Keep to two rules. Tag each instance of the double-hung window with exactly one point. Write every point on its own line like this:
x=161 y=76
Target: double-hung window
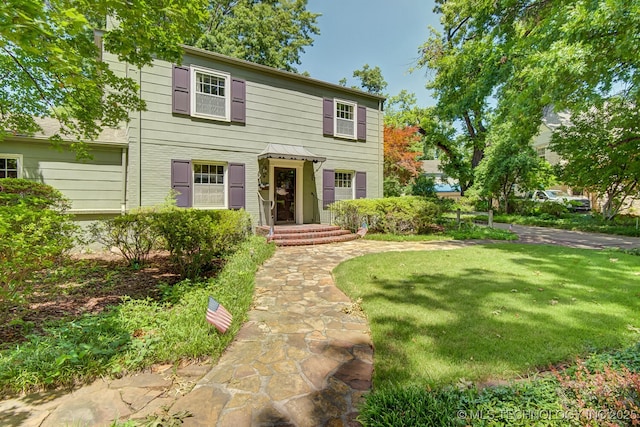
x=345 y=119
x=209 y=185
x=211 y=94
x=343 y=185
x=10 y=166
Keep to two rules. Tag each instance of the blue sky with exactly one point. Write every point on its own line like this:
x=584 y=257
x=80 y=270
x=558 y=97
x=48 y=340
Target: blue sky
x=385 y=33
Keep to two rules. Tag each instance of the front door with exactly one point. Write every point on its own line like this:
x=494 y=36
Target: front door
x=285 y=195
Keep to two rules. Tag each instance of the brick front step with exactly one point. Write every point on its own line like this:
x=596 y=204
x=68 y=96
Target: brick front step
x=316 y=240
x=307 y=234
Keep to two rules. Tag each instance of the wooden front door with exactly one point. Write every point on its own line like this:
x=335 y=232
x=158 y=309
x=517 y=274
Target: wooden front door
x=285 y=195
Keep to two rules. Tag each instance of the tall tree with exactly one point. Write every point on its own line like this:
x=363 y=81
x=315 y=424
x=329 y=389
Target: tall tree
x=50 y=63
x=267 y=32
x=528 y=54
x=509 y=165
x=371 y=80
x=601 y=149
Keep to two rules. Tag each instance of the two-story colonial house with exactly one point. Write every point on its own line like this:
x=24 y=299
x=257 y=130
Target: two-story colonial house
x=222 y=133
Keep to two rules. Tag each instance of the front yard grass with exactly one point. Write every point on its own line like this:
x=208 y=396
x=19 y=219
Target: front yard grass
x=494 y=312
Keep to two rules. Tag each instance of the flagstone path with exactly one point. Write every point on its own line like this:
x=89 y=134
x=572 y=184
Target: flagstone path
x=304 y=358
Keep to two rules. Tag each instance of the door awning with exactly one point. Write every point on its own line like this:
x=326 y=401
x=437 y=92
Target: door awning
x=289 y=152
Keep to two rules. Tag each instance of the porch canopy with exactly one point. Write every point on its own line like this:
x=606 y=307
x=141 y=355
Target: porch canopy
x=289 y=152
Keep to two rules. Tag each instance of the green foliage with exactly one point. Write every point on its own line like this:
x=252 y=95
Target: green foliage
x=32 y=236
x=133 y=234
x=469 y=231
x=272 y=33
x=411 y=406
x=621 y=225
x=70 y=83
x=392 y=187
x=195 y=238
x=509 y=164
x=396 y=215
x=424 y=186
x=600 y=147
x=371 y=79
x=137 y=333
x=36 y=195
x=578 y=395
x=550 y=209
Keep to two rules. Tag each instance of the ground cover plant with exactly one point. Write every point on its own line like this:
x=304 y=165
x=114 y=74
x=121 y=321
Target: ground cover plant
x=95 y=317
x=444 y=322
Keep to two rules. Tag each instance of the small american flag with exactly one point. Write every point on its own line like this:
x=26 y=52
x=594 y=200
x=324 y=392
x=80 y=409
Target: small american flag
x=218 y=316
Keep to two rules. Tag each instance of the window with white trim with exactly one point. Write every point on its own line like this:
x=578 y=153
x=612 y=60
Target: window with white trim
x=10 y=166
x=345 y=119
x=210 y=94
x=541 y=152
x=209 y=190
x=344 y=185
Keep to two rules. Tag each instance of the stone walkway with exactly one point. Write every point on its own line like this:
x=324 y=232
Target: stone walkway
x=304 y=358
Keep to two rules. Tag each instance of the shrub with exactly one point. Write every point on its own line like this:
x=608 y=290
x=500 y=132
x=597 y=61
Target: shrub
x=32 y=236
x=391 y=187
x=396 y=215
x=606 y=394
x=552 y=209
x=34 y=194
x=424 y=186
x=133 y=234
x=523 y=207
x=195 y=238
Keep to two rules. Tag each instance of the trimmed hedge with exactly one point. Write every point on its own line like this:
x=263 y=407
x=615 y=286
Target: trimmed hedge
x=194 y=238
x=396 y=215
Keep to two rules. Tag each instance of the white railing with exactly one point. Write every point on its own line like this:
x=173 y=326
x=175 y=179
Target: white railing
x=266 y=211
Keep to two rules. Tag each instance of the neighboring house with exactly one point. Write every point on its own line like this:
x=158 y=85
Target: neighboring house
x=224 y=134
x=445 y=186
x=550 y=122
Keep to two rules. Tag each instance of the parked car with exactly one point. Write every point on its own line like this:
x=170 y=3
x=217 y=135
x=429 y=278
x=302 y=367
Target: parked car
x=574 y=203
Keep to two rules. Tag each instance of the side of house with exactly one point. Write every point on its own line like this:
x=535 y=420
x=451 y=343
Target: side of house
x=96 y=186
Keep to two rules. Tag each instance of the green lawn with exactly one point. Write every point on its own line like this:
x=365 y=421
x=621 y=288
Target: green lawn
x=491 y=312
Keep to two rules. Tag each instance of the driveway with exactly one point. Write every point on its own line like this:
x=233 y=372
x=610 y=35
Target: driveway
x=574 y=239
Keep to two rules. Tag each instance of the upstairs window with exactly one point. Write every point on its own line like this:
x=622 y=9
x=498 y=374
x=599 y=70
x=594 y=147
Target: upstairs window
x=211 y=94
x=345 y=119
x=10 y=166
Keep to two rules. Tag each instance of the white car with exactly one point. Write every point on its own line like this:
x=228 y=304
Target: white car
x=576 y=203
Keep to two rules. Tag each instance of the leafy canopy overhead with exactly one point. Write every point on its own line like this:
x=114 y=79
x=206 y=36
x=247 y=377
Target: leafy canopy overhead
x=268 y=32
x=503 y=61
x=51 y=68
x=50 y=64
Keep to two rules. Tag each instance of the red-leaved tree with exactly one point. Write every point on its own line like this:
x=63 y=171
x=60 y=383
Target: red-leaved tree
x=401 y=152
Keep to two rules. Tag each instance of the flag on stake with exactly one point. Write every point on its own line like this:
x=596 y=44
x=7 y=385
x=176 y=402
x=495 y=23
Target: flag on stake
x=218 y=316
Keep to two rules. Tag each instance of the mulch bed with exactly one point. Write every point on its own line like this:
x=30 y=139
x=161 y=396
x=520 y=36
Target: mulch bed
x=85 y=284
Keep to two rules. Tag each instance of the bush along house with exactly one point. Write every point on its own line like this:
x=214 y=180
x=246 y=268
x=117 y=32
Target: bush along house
x=223 y=133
